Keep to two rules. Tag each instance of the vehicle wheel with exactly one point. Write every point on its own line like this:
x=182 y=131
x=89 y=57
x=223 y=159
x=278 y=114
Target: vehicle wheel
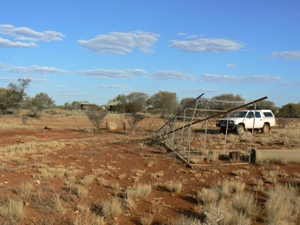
x=240 y=129
x=266 y=128
x=223 y=130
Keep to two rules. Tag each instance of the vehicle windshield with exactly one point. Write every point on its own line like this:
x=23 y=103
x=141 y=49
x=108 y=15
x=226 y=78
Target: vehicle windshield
x=238 y=114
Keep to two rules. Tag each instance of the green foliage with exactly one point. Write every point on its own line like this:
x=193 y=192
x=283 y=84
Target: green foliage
x=18 y=91
x=290 y=110
x=165 y=102
x=265 y=104
x=226 y=101
x=40 y=102
x=186 y=101
x=8 y=99
x=133 y=103
x=72 y=106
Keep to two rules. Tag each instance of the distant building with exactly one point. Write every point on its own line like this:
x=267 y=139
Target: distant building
x=111 y=106
x=86 y=105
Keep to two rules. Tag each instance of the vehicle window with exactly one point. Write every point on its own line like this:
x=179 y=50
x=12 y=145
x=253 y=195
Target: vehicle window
x=268 y=114
x=257 y=115
x=238 y=114
x=250 y=115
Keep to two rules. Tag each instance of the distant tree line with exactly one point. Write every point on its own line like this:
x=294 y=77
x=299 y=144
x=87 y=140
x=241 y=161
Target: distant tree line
x=167 y=103
x=14 y=97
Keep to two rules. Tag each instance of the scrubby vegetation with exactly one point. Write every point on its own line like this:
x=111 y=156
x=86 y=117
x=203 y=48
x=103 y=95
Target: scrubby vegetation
x=56 y=170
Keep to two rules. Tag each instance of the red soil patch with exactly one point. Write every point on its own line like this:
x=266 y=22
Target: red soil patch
x=122 y=158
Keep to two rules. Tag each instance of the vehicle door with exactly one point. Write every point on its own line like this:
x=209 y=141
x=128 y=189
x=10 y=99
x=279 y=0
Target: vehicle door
x=258 y=122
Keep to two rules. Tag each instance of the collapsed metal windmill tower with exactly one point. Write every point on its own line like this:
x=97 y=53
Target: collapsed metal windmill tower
x=193 y=136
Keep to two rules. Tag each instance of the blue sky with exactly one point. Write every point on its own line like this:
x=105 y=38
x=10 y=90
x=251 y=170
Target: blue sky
x=94 y=50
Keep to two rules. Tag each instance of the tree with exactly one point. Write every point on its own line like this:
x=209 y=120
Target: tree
x=290 y=110
x=226 y=101
x=136 y=102
x=96 y=115
x=40 y=102
x=3 y=99
x=266 y=104
x=76 y=105
x=18 y=91
x=186 y=101
x=164 y=102
x=133 y=103
x=134 y=119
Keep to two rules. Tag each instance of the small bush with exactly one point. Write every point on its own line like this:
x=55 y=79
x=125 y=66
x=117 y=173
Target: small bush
x=12 y=210
x=171 y=186
x=111 y=208
x=138 y=191
x=23 y=189
x=184 y=220
x=282 y=206
x=241 y=172
x=259 y=185
x=96 y=115
x=282 y=122
x=146 y=219
x=129 y=203
x=208 y=197
x=88 y=179
x=227 y=188
x=88 y=219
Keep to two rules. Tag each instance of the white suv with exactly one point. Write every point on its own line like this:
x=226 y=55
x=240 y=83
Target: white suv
x=242 y=120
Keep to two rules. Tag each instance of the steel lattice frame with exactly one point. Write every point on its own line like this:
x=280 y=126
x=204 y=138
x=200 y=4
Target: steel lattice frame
x=192 y=133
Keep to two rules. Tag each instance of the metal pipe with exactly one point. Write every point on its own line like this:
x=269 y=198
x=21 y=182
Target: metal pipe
x=284 y=155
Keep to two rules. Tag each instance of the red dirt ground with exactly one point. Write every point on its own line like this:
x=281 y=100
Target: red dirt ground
x=117 y=153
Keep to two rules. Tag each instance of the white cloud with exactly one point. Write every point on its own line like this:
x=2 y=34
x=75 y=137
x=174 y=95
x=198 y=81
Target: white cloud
x=60 y=86
x=192 y=36
x=199 y=90
x=27 y=34
x=13 y=79
x=286 y=55
x=113 y=73
x=120 y=43
x=231 y=65
x=5 y=43
x=290 y=83
x=172 y=75
x=207 y=45
x=112 y=86
x=37 y=79
x=7 y=79
x=236 y=79
x=35 y=70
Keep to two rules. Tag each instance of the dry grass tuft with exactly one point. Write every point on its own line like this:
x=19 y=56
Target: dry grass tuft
x=12 y=210
x=241 y=172
x=23 y=189
x=88 y=219
x=146 y=219
x=88 y=179
x=138 y=191
x=110 y=208
x=282 y=206
x=208 y=197
x=171 y=186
